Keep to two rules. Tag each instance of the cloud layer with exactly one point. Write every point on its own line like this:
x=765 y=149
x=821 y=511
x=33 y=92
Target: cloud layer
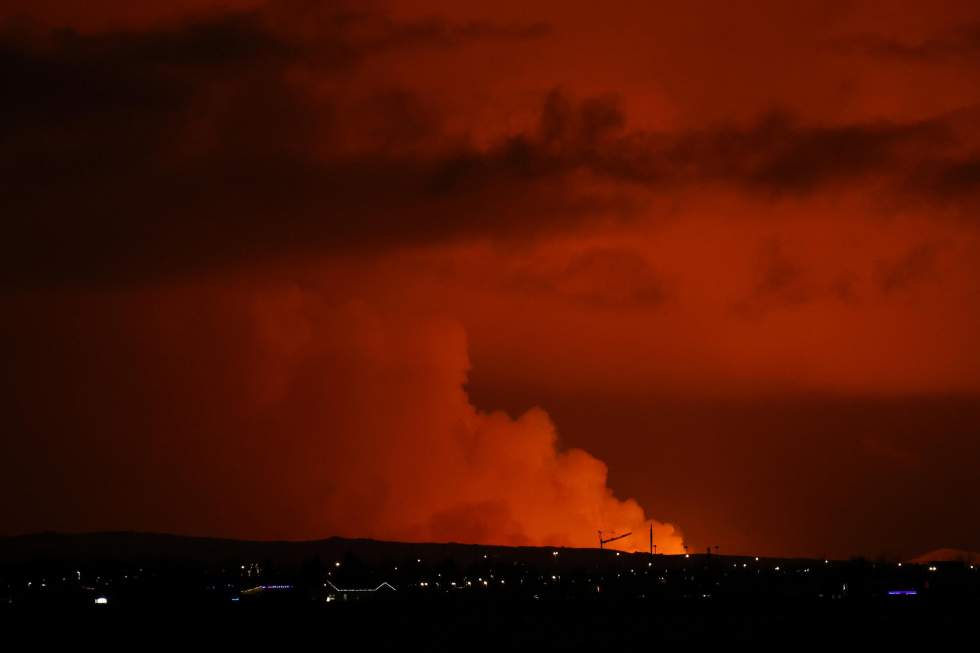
x=253 y=136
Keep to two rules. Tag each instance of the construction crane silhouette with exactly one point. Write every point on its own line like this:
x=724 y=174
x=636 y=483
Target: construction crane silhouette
x=604 y=542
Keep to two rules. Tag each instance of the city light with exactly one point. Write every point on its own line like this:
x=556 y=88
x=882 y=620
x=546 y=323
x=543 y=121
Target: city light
x=690 y=576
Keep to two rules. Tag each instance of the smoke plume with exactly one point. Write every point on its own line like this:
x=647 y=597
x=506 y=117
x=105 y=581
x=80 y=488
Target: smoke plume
x=284 y=414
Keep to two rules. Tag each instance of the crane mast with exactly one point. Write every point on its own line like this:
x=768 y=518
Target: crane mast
x=605 y=541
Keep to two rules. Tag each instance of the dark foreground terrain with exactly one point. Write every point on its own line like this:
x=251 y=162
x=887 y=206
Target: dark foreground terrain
x=505 y=626
x=129 y=589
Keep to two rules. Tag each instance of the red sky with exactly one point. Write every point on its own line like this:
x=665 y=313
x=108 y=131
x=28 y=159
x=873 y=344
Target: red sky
x=505 y=272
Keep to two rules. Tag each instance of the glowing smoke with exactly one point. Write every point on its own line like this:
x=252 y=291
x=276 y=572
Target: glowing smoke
x=274 y=412
x=411 y=458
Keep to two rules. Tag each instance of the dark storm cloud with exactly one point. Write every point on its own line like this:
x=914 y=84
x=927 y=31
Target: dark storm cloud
x=946 y=181
x=962 y=44
x=599 y=277
x=164 y=151
x=918 y=265
x=779 y=281
x=776 y=155
x=148 y=152
x=381 y=33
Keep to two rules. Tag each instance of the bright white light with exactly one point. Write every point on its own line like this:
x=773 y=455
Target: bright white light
x=336 y=564
x=101 y=600
x=777 y=568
